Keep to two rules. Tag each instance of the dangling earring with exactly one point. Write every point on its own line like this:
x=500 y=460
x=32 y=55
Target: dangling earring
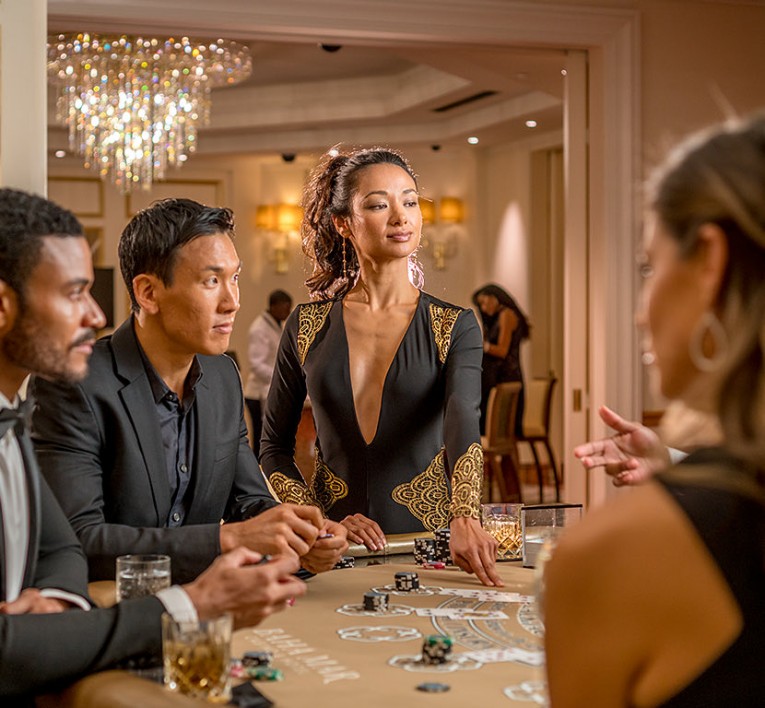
x=345 y=263
x=711 y=324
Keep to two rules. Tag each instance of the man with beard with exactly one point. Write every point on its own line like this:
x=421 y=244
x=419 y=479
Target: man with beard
x=49 y=632
x=149 y=452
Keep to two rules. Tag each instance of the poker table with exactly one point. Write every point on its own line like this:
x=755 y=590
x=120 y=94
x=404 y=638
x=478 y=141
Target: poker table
x=331 y=653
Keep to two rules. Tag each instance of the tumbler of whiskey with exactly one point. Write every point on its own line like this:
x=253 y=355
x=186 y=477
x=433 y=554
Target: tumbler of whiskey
x=196 y=657
x=503 y=522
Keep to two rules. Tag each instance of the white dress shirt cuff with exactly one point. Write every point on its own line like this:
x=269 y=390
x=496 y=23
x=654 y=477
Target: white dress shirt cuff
x=178 y=604
x=77 y=600
x=676 y=456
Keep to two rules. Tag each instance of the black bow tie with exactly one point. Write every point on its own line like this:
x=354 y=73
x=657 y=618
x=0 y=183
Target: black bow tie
x=19 y=418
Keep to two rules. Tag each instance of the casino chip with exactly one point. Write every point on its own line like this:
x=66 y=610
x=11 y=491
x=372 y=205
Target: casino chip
x=433 y=687
x=424 y=550
x=257 y=658
x=375 y=601
x=436 y=649
x=406 y=581
x=264 y=673
x=345 y=562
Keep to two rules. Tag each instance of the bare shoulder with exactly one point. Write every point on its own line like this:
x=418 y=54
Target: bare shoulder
x=636 y=576
x=508 y=317
x=627 y=522
x=630 y=551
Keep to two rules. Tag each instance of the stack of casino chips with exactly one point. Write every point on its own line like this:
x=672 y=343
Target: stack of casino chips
x=433 y=550
x=441 y=537
x=375 y=601
x=406 y=581
x=257 y=658
x=436 y=649
x=345 y=562
x=424 y=551
x=257 y=666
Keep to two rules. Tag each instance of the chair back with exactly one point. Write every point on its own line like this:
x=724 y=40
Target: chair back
x=500 y=417
x=537 y=407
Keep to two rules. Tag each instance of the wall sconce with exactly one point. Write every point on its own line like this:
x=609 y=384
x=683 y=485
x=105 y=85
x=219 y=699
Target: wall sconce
x=279 y=222
x=442 y=226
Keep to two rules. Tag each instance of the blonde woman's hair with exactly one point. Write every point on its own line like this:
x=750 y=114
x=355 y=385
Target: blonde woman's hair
x=718 y=177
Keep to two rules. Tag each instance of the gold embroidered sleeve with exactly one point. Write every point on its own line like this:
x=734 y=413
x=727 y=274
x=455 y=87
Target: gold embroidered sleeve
x=442 y=320
x=310 y=321
x=291 y=491
x=467 y=479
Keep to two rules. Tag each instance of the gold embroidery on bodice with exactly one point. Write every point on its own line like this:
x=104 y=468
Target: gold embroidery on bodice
x=290 y=490
x=427 y=495
x=442 y=321
x=467 y=480
x=327 y=487
x=310 y=321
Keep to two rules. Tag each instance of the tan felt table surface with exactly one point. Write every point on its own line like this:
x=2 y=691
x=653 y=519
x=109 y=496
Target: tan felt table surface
x=322 y=668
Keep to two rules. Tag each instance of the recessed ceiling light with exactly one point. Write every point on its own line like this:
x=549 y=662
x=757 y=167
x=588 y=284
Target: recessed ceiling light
x=531 y=124
x=183 y=158
x=473 y=140
x=563 y=72
x=60 y=153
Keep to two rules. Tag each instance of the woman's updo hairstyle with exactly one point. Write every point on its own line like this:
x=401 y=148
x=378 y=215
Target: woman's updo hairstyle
x=329 y=192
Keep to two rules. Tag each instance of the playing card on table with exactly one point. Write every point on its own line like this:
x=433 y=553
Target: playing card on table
x=460 y=613
x=521 y=656
x=487 y=595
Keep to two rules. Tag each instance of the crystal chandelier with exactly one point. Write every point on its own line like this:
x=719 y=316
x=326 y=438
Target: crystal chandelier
x=132 y=104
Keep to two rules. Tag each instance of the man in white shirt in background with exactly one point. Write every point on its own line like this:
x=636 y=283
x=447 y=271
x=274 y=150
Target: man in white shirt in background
x=264 y=336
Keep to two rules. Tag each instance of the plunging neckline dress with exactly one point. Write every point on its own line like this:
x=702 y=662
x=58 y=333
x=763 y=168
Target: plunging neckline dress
x=424 y=464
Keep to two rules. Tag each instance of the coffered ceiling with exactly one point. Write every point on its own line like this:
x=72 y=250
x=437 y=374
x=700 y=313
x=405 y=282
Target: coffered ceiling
x=302 y=97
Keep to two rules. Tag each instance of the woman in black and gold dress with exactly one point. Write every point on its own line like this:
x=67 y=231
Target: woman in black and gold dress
x=393 y=373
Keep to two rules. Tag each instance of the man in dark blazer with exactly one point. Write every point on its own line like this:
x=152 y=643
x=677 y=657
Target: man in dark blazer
x=49 y=632
x=149 y=453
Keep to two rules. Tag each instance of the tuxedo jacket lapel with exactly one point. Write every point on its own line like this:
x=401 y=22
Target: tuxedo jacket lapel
x=137 y=398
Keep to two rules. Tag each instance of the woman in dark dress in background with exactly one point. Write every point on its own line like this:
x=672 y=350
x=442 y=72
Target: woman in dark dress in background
x=504 y=328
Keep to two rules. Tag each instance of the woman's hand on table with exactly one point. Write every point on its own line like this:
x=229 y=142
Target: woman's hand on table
x=363 y=530
x=474 y=550
x=329 y=548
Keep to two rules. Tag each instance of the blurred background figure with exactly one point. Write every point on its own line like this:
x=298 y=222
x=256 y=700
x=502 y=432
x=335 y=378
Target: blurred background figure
x=652 y=563
x=505 y=326
x=265 y=332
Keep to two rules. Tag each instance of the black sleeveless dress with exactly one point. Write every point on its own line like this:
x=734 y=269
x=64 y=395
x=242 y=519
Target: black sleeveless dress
x=732 y=526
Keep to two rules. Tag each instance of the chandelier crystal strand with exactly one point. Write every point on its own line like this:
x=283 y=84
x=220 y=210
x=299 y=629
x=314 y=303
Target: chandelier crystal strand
x=133 y=104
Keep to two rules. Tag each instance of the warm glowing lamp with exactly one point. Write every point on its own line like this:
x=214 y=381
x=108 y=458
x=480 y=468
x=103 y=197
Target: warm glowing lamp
x=265 y=217
x=428 y=209
x=288 y=217
x=451 y=210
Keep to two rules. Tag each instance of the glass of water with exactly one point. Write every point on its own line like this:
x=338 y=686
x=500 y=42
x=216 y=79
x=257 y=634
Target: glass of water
x=141 y=575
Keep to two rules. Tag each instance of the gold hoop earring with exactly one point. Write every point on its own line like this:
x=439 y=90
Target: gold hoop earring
x=345 y=263
x=711 y=324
